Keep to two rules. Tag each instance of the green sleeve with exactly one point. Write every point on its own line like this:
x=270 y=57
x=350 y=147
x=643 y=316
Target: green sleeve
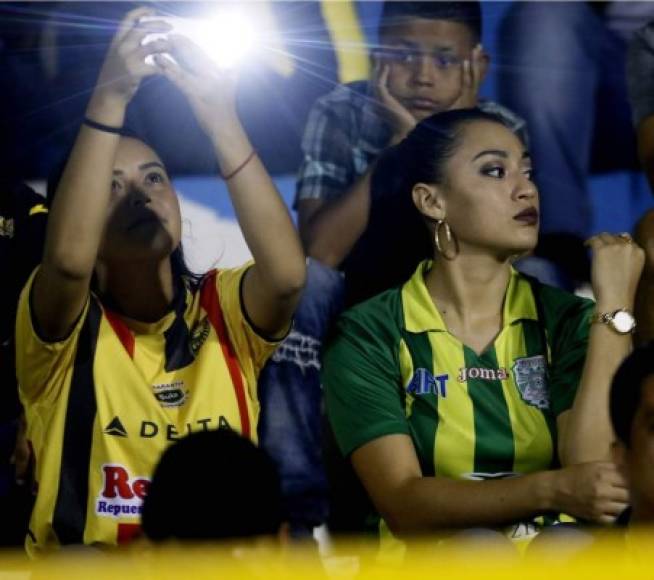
x=362 y=383
x=569 y=346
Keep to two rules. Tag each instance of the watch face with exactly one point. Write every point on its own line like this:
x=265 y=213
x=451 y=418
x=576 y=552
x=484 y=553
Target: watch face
x=623 y=321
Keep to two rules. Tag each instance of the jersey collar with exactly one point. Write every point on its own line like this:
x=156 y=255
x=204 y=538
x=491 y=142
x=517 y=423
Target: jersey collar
x=421 y=315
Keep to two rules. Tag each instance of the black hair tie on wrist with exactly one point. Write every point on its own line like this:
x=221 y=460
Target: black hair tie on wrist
x=100 y=127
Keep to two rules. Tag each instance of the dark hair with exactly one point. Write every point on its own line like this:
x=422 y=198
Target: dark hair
x=213 y=485
x=177 y=261
x=396 y=238
x=468 y=13
x=626 y=390
x=57 y=172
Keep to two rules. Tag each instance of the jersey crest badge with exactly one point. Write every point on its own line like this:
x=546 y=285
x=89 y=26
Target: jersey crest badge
x=530 y=377
x=199 y=335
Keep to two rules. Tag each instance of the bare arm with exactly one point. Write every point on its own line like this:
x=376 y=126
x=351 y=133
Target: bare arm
x=79 y=211
x=585 y=431
x=273 y=286
x=410 y=503
x=330 y=229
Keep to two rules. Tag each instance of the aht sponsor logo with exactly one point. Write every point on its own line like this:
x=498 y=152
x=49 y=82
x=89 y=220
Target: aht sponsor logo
x=425 y=383
x=121 y=495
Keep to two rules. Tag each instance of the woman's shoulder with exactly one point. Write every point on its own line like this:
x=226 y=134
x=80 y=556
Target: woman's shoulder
x=367 y=336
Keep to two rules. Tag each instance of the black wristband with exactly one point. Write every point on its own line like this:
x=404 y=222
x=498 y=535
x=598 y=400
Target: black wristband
x=100 y=127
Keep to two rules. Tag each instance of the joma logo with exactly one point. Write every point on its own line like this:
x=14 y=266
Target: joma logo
x=483 y=374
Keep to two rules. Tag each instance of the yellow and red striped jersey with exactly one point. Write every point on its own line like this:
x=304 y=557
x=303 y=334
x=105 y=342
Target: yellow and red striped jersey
x=103 y=404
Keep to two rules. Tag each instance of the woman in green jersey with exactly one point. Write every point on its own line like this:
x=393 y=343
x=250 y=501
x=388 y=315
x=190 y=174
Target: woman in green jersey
x=471 y=395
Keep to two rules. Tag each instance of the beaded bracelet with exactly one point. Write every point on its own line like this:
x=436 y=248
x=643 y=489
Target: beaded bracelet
x=241 y=166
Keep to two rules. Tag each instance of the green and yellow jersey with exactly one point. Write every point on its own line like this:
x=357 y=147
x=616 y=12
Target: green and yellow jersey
x=103 y=404
x=393 y=368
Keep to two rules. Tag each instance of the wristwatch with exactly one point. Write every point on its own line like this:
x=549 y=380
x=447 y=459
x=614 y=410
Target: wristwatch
x=621 y=321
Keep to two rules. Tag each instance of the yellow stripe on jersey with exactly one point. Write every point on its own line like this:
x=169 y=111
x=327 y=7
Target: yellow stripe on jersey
x=454 y=448
x=406 y=374
x=531 y=435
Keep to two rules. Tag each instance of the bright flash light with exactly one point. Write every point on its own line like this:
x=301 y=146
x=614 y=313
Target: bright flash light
x=226 y=37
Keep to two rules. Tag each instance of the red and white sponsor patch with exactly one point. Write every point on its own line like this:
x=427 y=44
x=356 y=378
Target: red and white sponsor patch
x=121 y=495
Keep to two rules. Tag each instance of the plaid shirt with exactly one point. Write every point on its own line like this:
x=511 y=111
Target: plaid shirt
x=346 y=131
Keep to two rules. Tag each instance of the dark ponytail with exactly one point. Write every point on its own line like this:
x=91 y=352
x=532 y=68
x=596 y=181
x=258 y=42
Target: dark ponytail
x=397 y=237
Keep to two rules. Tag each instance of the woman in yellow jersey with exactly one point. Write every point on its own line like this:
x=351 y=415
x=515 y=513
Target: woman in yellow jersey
x=461 y=397
x=118 y=353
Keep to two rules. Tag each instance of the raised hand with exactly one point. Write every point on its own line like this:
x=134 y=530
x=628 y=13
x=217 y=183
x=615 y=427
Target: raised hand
x=471 y=77
x=124 y=66
x=210 y=90
x=400 y=119
x=616 y=267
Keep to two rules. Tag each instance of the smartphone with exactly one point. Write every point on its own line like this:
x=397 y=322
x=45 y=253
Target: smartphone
x=177 y=26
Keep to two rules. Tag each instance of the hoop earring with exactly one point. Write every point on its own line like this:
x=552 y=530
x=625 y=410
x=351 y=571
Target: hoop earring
x=449 y=237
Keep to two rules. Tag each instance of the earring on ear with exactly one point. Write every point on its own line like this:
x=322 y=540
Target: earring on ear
x=449 y=237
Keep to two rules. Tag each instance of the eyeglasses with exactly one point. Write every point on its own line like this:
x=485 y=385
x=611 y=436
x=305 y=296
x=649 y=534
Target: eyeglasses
x=412 y=57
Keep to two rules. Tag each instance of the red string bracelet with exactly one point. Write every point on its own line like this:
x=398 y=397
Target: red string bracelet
x=241 y=166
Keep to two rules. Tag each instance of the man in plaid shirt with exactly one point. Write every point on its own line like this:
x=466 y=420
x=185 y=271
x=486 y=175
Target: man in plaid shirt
x=430 y=61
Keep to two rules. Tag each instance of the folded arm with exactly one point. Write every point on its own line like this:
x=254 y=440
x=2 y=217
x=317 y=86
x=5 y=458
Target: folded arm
x=410 y=503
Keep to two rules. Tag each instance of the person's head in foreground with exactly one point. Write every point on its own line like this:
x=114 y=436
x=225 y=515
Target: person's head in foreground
x=213 y=485
x=632 y=416
x=425 y=50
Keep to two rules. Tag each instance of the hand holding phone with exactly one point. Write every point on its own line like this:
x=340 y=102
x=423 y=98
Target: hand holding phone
x=176 y=26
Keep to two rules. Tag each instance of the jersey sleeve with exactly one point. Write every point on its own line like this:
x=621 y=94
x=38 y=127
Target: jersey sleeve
x=42 y=367
x=362 y=382
x=251 y=348
x=569 y=349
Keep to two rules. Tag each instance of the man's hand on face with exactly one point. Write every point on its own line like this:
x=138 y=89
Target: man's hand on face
x=471 y=77
x=401 y=120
